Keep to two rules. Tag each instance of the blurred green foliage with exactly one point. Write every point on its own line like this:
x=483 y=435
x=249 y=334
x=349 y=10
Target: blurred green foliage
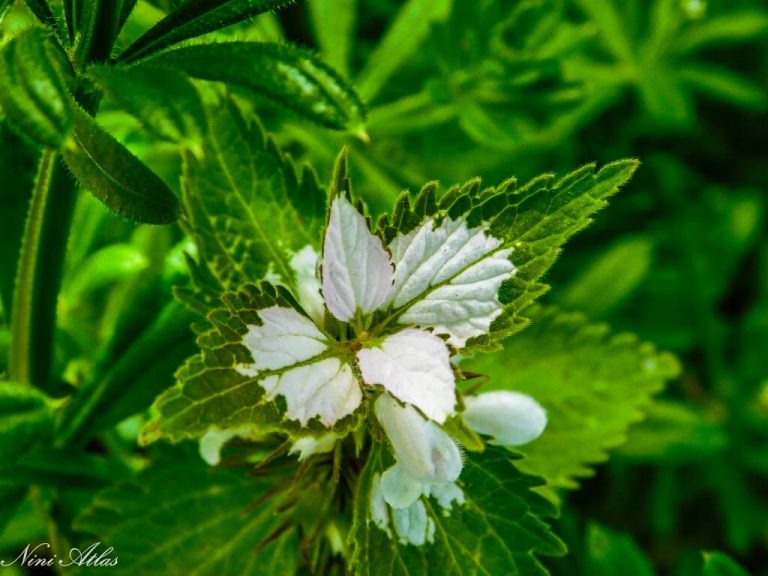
x=490 y=88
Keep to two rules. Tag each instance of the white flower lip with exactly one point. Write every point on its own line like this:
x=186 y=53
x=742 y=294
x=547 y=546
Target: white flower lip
x=511 y=418
x=424 y=451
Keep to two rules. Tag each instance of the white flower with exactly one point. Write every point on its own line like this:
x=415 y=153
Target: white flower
x=509 y=417
x=440 y=278
x=309 y=445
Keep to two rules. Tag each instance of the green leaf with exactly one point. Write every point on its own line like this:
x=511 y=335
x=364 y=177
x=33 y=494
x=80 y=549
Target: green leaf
x=162 y=99
x=733 y=27
x=610 y=553
x=33 y=88
x=718 y=564
x=403 y=38
x=594 y=384
x=210 y=391
x=181 y=517
x=193 y=18
x=285 y=75
x=534 y=221
x=334 y=26
x=499 y=530
x=724 y=85
x=26 y=418
x=246 y=206
x=614 y=274
x=110 y=172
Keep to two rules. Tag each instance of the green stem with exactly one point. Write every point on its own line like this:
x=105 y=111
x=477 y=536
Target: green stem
x=38 y=275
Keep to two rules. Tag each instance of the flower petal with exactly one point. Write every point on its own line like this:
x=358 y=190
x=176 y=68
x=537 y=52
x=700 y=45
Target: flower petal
x=510 y=417
x=423 y=450
x=310 y=445
x=326 y=389
x=448 y=277
x=285 y=337
x=413 y=366
x=357 y=273
x=400 y=489
x=412 y=524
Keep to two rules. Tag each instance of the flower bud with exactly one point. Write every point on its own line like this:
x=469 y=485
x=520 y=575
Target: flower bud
x=425 y=452
x=510 y=417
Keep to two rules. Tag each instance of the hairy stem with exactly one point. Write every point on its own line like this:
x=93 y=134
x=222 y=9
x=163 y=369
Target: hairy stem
x=39 y=272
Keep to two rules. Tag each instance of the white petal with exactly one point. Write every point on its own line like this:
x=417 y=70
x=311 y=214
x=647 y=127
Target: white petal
x=378 y=505
x=446 y=494
x=214 y=440
x=304 y=263
x=449 y=278
x=311 y=445
x=412 y=524
x=400 y=489
x=284 y=338
x=326 y=389
x=413 y=366
x=357 y=273
x=510 y=417
x=426 y=452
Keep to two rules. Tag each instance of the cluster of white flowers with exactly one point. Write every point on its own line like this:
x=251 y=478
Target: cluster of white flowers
x=407 y=306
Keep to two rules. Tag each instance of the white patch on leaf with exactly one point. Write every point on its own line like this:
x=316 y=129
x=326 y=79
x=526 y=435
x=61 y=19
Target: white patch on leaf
x=449 y=278
x=413 y=366
x=310 y=445
x=304 y=264
x=326 y=389
x=285 y=337
x=357 y=273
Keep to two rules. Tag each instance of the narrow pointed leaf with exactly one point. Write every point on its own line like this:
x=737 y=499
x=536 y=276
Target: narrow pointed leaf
x=110 y=172
x=193 y=18
x=162 y=99
x=282 y=74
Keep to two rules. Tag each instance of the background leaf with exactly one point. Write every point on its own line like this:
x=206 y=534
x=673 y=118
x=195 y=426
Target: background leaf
x=593 y=384
x=110 y=172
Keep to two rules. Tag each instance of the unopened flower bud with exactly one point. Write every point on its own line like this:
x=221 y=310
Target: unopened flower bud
x=510 y=417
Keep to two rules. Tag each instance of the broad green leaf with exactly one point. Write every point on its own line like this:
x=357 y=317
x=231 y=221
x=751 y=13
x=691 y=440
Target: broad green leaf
x=334 y=26
x=594 y=384
x=26 y=418
x=501 y=528
x=193 y=18
x=180 y=517
x=718 y=564
x=532 y=222
x=33 y=88
x=18 y=161
x=676 y=433
x=614 y=275
x=404 y=36
x=162 y=99
x=610 y=553
x=284 y=75
x=211 y=390
x=110 y=172
x=246 y=206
